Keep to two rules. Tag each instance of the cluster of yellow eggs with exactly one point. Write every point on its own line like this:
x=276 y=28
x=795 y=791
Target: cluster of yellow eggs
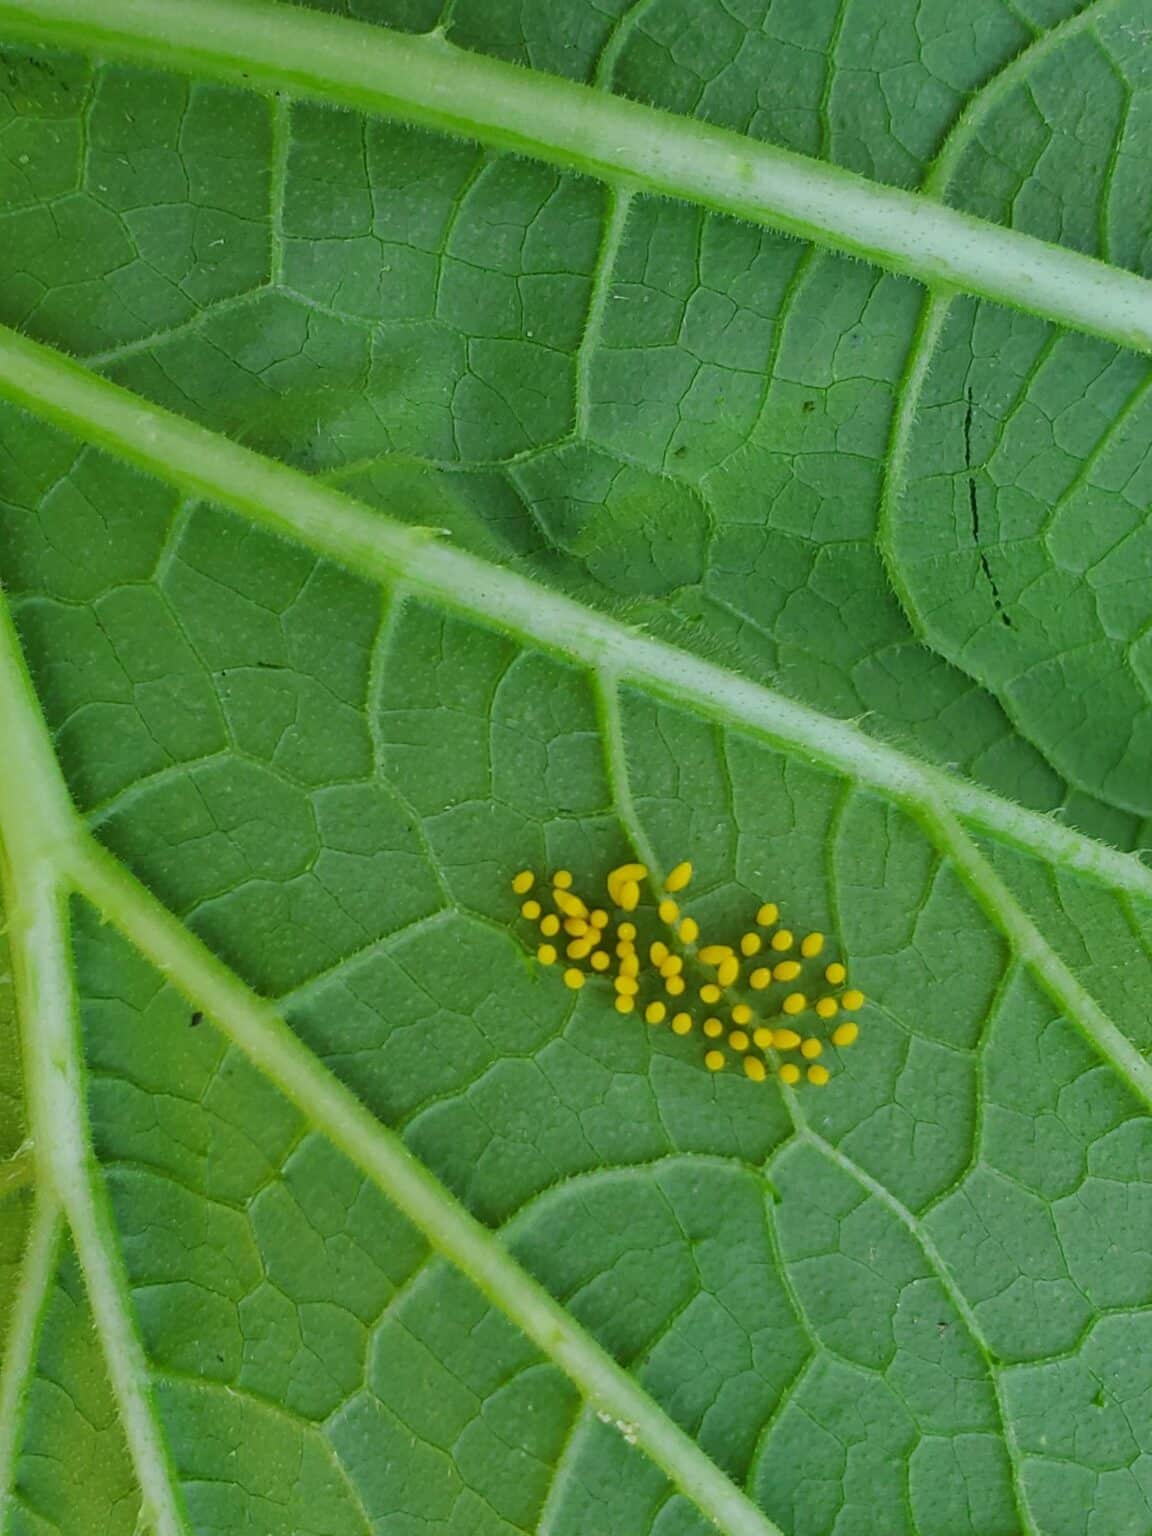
x=751 y=1000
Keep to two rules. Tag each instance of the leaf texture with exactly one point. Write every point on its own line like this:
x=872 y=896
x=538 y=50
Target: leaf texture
x=454 y=513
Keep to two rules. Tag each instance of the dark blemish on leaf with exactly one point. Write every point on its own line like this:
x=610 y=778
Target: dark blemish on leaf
x=678 y=453
x=974 y=509
x=197 y=1018
x=808 y=407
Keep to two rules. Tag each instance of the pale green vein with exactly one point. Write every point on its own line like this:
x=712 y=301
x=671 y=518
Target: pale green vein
x=38 y=828
x=992 y=894
x=428 y=81
x=199 y=460
x=256 y=1029
x=204 y=463
x=1006 y=913
x=618 y=39
x=32 y=1291
x=934 y=314
x=997 y=90
x=937 y=308
x=550 y=1517
x=46 y=852
x=935 y=1258
x=42 y=962
x=615 y=222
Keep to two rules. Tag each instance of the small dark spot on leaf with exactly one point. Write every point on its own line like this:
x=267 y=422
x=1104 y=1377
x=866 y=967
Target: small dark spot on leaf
x=808 y=407
x=196 y=1018
x=678 y=453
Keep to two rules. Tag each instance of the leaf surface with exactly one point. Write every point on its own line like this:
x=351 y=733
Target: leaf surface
x=421 y=512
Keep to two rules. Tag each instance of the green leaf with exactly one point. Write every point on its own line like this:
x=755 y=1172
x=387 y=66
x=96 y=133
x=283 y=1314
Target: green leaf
x=382 y=512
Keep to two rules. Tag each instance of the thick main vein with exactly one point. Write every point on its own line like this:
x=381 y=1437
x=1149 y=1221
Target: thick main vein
x=204 y=463
x=426 y=80
x=46 y=854
x=255 y=1027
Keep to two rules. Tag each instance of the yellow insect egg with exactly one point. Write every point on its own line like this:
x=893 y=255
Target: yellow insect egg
x=625 y=1004
x=626 y=932
x=671 y=965
x=574 y=978
x=570 y=905
x=751 y=944
x=827 y=1008
x=755 y=1069
x=710 y=993
x=689 y=930
x=625 y=949
x=679 y=877
x=550 y=925
x=713 y=1028
x=787 y=970
x=853 y=1000
x=682 y=1023
x=598 y=918
x=655 y=1013
x=713 y=954
x=668 y=911
x=530 y=910
x=818 y=1075
x=846 y=1033
x=630 y=964
x=562 y=879
x=627 y=986
x=714 y=1060
x=580 y=949
x=786 y=1039
x=546 y=954
x=524 y=881
x=629 y=897
x=789 y=1073
x=600 y=960
x=811 y=945
x=795 y=1002
x=835 y=974
x=782 y=940
x=623 y=873
x=811 y=1048
x=674 y=986
x=576 y=926
x=760 y=978
x=727 y=971
x=658 y=953
x=738 y=1040
x=763 y=1037
x=768 y=914
x=741 y=1014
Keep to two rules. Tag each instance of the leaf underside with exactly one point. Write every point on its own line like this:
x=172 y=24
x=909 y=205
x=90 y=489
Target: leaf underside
x=915 y=1301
